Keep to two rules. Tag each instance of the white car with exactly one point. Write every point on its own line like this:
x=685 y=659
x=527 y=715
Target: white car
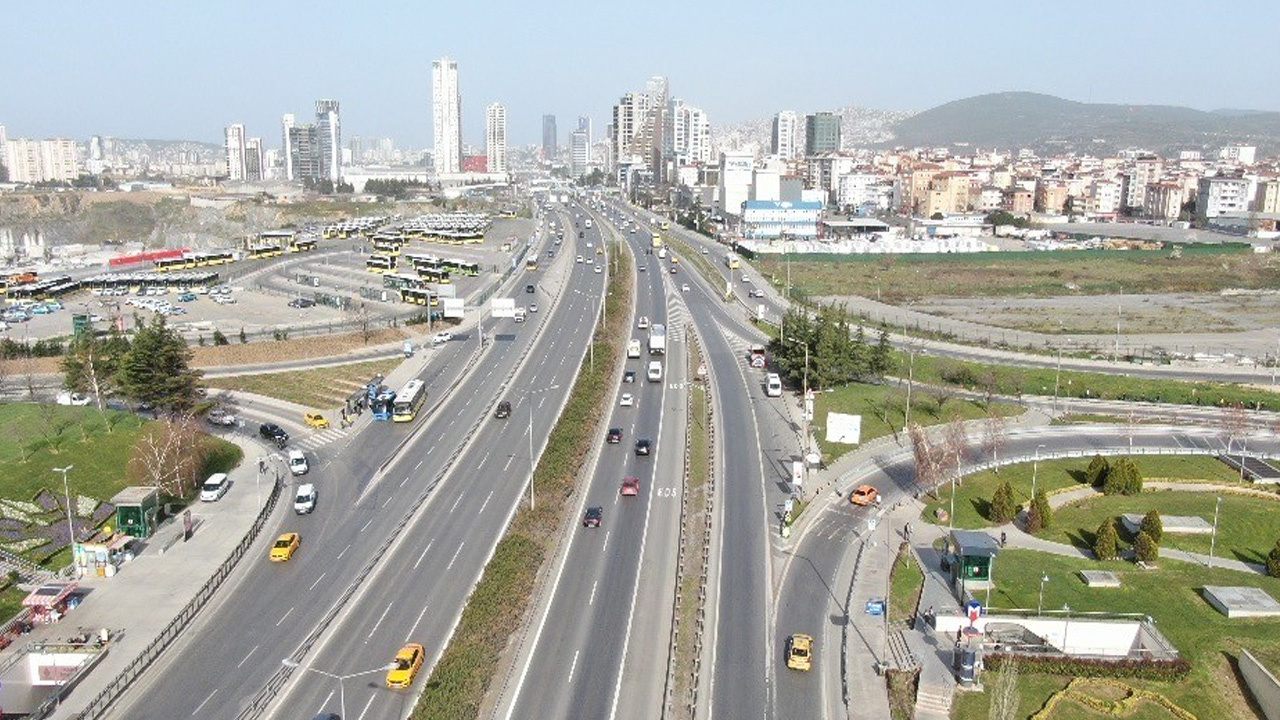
x=298 y=463
x=72 y=398
x=599 y=269
x=684 y=287
x=590 y=261
x=627 y=400
x=214 y=488
x=305 y=501
x=533 y=307
x=579 y=260
x=643 y=323
x=441 y=338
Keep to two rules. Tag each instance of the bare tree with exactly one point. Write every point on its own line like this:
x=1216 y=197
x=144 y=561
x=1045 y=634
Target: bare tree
x=169 y=455
x=929 y=458
x=364 y=320
x=52 y=423
x=989 y=384
x=1235 y=420
x=941 y=396
x=995 y=436
x=955 y=446
x=28 y=367
x=1004 y=694
x=5 y=370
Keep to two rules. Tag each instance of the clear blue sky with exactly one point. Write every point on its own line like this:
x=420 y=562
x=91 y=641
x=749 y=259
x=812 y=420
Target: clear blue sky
x=185 y=70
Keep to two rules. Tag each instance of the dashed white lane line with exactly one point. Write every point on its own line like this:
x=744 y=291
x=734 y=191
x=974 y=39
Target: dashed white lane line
x=574 y=666
x=424 y=553
x=344 y=550
x=455 y=504
x=455 y=557
x=317 y=581
x=246 y=657
x=201 y=705
x=381 y=617
x=486 y=503
x=286 y=615
x=592 y=600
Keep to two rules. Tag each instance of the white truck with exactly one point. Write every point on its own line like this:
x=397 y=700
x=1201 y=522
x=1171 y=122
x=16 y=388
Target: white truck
x=657 y=339
x=519 y=316
x=633 y=349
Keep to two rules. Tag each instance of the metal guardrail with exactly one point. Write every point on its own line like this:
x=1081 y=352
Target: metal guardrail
x=98 y=706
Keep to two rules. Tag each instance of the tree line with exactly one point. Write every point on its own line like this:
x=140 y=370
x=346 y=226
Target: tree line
x=830 y=347
x=153 y=368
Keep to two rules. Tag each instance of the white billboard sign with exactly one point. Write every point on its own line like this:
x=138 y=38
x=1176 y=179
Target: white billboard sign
x=454 y=307
x=842 y=428
x=797 y=473
x=503 y=307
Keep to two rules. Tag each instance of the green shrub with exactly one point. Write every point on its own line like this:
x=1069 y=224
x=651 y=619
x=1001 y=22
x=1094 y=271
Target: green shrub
x=1003 y=508
x=1040 y=516
x=1152 y=525
x=1097 y=471
x=1146 y=549
x=219 y=338
x=1273 y=561
x=1160 y=670
x=1106 y=540
x=1123 y=479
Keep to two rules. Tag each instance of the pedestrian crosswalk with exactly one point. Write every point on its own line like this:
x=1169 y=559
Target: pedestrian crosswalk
x=677 y=319
x=321 y=438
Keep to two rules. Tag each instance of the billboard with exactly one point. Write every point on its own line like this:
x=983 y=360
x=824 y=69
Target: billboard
x=844 y=428
x=502 y=307
x=453 y=307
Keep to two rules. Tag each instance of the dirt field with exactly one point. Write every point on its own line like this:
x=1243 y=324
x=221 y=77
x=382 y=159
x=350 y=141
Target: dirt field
x=284 y=350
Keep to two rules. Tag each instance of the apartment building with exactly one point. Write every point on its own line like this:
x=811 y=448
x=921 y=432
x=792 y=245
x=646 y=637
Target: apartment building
x=1163 y=201
x=33 y=161
x=1221 y=195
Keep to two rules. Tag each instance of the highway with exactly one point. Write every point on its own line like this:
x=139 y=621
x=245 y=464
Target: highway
x=598 y=648
x=390 y=555
x=808 y=603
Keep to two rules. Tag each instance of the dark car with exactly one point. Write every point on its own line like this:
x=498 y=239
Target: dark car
x=581 y=234
x=644 y=446
x=629 y=376
x=302 y=303
x=593 y=517
x=273 y=432
x=503 y=411
x=528 y=288
x=615 y=436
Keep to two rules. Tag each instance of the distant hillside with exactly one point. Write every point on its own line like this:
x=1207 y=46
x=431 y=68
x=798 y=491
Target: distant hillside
x=1050 y=124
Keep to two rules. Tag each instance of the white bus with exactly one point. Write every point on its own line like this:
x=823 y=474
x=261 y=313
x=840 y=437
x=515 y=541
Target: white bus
x=408 y=401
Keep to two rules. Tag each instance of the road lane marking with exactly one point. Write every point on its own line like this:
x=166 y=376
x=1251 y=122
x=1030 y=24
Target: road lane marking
x=406 y=479
x=317 y=582
x=381 y=617
x=424 y=553
x=201 y=705
x=455 y=504
x=345 y=549
x=510 y=458
x=591 y=601
x=324 y=704
x=366 y=525
x=455 y=556
x=414 y=626
x=433 y=447
x=606 y=541
x=484 y=459
x=286 y=615
x=366 y=707
x=574 y=666
x=415 y=467
x=486 y=503
x=389 y=499
x=246 y=657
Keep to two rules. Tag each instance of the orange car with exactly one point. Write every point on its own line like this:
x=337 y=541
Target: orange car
x=864 y=495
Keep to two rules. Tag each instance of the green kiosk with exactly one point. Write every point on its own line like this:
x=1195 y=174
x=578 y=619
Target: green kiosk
x=137 y=510
x=970 y=558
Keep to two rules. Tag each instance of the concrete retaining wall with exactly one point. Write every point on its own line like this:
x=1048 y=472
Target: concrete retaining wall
x=1262 y=685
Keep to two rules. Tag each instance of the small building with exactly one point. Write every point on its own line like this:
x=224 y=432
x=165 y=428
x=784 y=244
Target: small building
x=970 y=558
x=137 y=510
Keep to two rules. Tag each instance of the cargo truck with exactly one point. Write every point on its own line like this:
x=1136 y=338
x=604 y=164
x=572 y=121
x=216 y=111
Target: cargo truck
x=657 y=339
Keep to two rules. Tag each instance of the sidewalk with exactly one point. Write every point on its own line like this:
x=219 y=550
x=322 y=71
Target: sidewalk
x=153 y=589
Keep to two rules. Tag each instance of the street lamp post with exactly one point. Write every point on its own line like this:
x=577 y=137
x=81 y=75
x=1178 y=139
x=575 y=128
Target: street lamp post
x=529 y=399
x=1035 y=470
x=911 y=373
x=66 y=490
x=342 y=690
x=804 y=409
x=1040 y=603
x=1213 y=540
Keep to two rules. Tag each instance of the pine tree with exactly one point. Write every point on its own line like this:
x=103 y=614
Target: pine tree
x=1273 y=561
x=1152 y=525
x=1145 y=549
x=1096 y=473
x=881 y=354
x=1106 y=541
x=1042 y=511
x=157 y=368
x=1003 y=507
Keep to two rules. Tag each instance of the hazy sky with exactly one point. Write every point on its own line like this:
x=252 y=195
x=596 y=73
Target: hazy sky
x=184 y=70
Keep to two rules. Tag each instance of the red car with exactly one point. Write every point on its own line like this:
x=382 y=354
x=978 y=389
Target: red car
x=614 y=436
x=631 y=486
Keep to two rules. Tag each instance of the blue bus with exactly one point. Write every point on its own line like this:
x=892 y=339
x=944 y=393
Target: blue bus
x=383 y=405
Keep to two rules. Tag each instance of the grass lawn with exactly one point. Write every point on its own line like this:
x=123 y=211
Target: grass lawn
x=1033 y=690
x=883 y=410
x=322 y=388
x=1171 y=595
x=10 y=602
x=905 y=585
x=973 y=497
x=1247 y=525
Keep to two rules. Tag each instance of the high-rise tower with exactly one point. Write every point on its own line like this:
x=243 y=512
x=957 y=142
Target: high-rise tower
x=329 y=128
x=235 y=152
x=287 y=123
x=549 y=138
x=446 y=109
x=495 y=137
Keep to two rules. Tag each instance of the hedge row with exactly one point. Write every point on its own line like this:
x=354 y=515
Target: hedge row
x=500 y=601
x=1162 y=670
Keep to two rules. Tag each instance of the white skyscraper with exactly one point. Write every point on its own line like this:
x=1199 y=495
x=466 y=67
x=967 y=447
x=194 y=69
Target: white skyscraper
x=287 y=148
x=785 y=124
x=446 y=109
x=235 y=152
x=495 y=137
x=329 y=127
x=4 y=147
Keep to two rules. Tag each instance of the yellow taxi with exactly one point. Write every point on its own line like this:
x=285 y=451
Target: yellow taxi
x=865 y=495
x=405 y=668
x=284 y=548
x=316 y=420
x=800 y=652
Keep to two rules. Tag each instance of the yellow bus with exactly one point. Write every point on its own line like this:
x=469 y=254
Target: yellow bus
x=731 y=259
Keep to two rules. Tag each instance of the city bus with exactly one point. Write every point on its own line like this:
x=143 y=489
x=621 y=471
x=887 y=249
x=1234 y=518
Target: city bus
x=401 y=280
x=221 y=257
x=439 y=277
x=379 y=263
x=461 y=267
x=185 y=262
x=382 y=405
x=387 y=244
x=302 y=245
x=417 y=261
x=260 y=252
x=531 y=264
x=731 y=259
x=408 y=401
x=420 y=296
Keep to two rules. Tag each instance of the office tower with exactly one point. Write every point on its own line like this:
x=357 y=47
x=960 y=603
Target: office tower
x=286 y=149
x=253 y=160
x=304 y=148
x=549 y=138
x=784 y=134
x=495 y=137
x=446 y=108
x=95 y=147
x=822 y=133
x=329 y=129
x=698 y=135
x=657 y=135
x=579 y=152
x=628 y=124
x=235 y=152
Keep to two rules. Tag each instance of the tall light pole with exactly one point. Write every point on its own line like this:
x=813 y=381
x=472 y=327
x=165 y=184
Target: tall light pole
x=71 y=528
x=342 y=690
x=1115 y=355
x=1214 y=539
x=911 y=374
x=529 y=399
x=1057 y=377
x=804 y=406
x=1040 y=604
x=1035 y=469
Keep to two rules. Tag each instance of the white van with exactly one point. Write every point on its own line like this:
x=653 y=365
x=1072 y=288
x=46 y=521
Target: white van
x=655 y=371
x=519 y=316
x=633 y=349
x=773 y=385
x=214 y=488
x=305 y=501
x=298 y=463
